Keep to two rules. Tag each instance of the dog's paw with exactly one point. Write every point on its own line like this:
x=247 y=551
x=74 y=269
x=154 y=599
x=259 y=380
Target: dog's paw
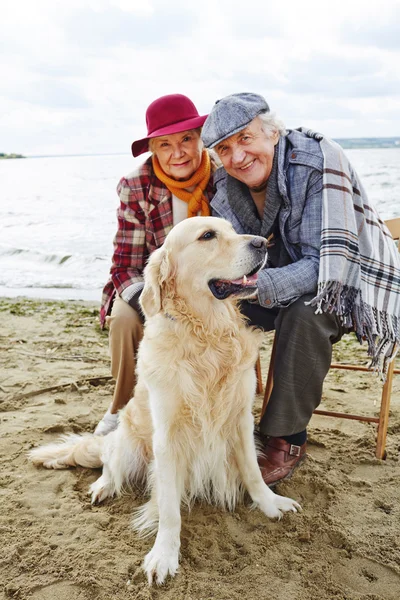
x=276 y=506
x=159 y=563
x=100 y=490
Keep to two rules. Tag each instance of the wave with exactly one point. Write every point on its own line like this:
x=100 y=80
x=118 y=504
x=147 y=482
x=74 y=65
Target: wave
x=64 y=294
x=22 y=268
x=57 y=258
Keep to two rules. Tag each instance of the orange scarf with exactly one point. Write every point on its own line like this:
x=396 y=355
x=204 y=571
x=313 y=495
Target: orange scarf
x=196 y=200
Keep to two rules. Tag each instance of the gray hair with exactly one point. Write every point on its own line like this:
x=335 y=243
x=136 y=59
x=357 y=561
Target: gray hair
x=271 y=123
x=151 y=145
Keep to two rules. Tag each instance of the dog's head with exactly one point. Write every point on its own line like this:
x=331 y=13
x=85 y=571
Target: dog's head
x=202 y=257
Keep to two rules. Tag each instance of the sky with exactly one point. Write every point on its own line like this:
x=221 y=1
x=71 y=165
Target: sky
x=76 y=76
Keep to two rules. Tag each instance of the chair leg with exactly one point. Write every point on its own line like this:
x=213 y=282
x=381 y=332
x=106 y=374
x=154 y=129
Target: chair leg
x=259 y=389
x=380 y=451
x=270 y=379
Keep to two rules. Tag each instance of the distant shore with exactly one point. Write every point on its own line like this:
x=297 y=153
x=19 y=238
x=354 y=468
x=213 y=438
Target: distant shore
x=361 y=143
x=3 y=156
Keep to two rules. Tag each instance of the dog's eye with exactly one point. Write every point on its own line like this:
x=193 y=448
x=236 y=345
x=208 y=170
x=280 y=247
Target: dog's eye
x=208 y=235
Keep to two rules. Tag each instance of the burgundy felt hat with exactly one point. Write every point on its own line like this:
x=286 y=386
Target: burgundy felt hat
x=166 y=115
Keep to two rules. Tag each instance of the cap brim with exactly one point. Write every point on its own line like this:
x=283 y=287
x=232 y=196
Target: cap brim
x=226 y=135
x=236 y=129
x=141 y=146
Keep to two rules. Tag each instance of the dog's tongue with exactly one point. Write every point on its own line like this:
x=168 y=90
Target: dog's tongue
x=251 y=280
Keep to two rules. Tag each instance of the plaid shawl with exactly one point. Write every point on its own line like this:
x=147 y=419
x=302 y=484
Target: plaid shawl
x=359 y=274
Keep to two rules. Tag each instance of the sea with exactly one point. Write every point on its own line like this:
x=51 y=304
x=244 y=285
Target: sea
x=58 y=216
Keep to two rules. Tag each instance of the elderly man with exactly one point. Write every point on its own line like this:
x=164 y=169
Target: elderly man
x=299 y=189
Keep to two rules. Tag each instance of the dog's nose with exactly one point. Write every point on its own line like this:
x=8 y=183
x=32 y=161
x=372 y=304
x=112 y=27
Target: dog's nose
x=258 y=242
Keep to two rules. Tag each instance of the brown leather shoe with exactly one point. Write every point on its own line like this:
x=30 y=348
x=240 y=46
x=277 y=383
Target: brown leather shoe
x=278 y=459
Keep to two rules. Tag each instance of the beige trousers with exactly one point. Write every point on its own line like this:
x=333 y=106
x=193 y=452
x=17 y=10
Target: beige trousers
x=126 y=331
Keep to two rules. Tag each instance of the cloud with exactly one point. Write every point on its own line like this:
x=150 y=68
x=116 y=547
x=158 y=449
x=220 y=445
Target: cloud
x=49 y=93
x=101 y=30
x=380 y=30
x=343 y=76
x=79 y=75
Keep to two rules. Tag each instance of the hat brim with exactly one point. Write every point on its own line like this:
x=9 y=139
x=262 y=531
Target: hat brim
x=227 y=135
x=141 y=146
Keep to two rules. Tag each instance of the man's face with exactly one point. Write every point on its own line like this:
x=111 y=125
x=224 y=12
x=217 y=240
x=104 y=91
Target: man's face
x=248 y=155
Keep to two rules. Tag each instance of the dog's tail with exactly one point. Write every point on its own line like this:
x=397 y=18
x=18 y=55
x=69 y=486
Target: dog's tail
x=71 y=451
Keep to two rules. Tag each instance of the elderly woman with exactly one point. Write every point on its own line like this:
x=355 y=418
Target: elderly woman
x=172 y=184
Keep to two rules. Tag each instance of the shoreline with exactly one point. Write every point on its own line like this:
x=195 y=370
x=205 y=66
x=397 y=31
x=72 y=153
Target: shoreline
x=52 y=294
x=55 y=379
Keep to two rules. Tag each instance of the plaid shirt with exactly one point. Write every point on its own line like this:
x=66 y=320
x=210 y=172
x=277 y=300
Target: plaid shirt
x=144 y=220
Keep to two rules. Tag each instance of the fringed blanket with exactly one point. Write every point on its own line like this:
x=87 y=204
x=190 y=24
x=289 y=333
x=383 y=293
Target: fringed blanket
x=359 y=273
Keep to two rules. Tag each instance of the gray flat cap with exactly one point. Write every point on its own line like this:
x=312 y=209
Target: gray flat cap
x=231 y=114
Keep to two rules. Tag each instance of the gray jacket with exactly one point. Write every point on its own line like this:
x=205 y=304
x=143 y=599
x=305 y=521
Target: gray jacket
x=300 y=166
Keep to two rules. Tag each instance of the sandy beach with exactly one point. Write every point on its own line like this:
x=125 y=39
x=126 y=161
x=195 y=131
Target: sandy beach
x=55 y=378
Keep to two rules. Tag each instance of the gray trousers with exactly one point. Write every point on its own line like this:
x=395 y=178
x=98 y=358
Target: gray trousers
x=303 y=355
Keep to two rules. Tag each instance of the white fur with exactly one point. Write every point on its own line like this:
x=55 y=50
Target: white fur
x=188 y=431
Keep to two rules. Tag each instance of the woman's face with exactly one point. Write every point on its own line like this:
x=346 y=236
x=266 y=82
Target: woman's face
x=179 y=154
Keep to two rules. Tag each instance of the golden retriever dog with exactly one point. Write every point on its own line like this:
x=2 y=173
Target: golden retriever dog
x=188 y=430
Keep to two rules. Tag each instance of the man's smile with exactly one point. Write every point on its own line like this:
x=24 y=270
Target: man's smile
x=248 y=165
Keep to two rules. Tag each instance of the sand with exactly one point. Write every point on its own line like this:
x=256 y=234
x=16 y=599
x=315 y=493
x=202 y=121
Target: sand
x=54 y=378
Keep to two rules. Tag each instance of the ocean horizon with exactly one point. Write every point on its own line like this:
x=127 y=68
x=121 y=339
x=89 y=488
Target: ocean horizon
x=58 y=217
x=346 y=143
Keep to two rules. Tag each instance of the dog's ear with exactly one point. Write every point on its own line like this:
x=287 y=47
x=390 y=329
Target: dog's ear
x=156 y=272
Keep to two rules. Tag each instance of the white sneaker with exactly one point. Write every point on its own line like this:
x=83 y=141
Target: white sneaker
x=107 y=424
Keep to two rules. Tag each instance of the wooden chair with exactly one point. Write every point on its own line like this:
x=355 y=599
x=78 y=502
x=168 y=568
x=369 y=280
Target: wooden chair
x=383 y=419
